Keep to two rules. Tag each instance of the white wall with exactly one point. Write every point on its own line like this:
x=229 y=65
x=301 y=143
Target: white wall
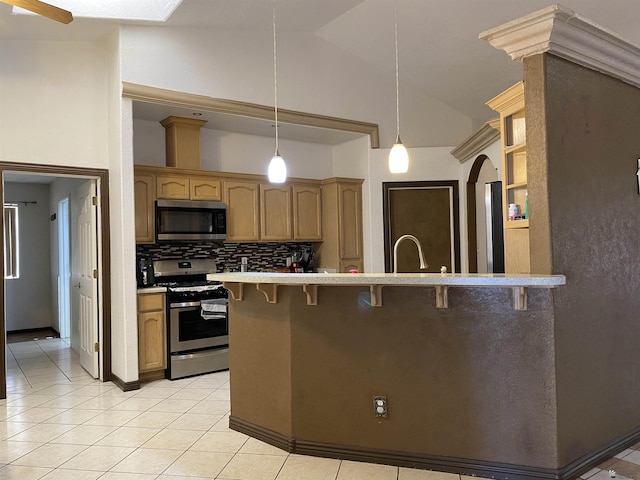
x=235 y=152
x=313 y=76
x=124 y=325
x=28 y=298
x=148 y=143
x=52 y=105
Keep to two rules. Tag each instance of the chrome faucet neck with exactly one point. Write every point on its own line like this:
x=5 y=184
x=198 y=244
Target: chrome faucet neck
x=423 y=264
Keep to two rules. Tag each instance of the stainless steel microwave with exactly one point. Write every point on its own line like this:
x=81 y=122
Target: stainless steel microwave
x=190 y=220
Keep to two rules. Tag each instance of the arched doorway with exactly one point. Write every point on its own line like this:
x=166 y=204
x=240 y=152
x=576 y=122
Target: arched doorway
x=482 y=172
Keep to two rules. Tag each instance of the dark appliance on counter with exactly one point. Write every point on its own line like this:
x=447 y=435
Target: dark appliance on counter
x=190 y=221
x=495 y=238
x=198 y=320
x=144 y=272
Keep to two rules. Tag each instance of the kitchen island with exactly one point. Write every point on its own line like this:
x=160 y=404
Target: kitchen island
x=466 y=363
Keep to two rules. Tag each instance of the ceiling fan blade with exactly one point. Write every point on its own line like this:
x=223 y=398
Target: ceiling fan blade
x=44 y=9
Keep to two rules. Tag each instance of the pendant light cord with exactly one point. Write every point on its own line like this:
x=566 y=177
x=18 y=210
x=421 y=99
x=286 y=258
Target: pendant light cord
x=395 y=14
x=275 y=74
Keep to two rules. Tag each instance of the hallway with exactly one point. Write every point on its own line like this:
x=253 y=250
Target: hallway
x=59 y=423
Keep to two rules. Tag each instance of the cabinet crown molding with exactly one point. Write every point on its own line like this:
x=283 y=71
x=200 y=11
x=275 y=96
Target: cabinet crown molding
x=476 y=143
x=566 y=34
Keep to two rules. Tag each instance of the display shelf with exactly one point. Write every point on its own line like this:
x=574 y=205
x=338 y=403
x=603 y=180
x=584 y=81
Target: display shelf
x=515 y=148
x=513 y=134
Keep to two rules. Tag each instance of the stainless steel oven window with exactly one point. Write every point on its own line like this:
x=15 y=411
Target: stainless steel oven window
x=189 y=330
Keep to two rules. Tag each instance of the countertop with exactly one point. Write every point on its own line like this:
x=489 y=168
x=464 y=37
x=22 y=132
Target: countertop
x=152 y=290
x=398 y=279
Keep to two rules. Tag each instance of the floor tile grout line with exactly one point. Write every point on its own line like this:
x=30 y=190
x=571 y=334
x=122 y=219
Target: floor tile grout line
x=20 y=367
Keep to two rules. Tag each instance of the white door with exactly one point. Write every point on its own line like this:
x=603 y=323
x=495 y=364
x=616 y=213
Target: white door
x=64 y=277
x=87 y=281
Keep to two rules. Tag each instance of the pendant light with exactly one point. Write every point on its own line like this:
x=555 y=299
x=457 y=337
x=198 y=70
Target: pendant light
x=398 y=157
x=277 y=168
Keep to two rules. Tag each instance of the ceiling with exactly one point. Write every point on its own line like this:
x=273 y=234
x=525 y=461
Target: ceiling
x=439 y=49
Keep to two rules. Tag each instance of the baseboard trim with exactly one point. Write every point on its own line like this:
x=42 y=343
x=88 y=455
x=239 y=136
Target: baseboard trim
x=596 y=457
x=125 y=386
x=460 y=466
x=268 y=436
x=37 y=329
x=150 y=376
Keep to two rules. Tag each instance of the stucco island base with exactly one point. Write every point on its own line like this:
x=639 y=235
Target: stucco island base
x=470 y=388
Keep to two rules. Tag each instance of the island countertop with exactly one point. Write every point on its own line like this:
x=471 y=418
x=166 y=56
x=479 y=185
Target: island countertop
x=397 y=279
x=268 y=283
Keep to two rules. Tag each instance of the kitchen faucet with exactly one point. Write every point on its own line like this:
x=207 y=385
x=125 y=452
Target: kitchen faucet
x=423 y=264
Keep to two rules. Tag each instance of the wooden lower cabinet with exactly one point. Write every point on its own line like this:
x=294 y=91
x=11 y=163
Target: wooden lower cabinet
x=516 y=250
x=152 y=339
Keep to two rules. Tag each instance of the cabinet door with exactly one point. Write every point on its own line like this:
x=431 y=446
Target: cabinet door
x=171 y=187
x=516 y=251
x=205 y=189
x=152 y=352
x=143 y=190
x=347 y=265
x=350 y=220
x=307 y=213
x=243 y=215
x=275 y=212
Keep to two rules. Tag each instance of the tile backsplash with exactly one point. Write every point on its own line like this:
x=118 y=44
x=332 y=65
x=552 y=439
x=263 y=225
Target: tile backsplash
x=262 y=256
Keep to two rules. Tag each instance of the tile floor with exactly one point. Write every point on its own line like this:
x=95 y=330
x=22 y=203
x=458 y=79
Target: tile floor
x=58 y=423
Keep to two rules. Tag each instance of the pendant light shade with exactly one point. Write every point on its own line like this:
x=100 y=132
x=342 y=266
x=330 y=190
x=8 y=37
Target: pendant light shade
x=398 y=158
x=277 y=169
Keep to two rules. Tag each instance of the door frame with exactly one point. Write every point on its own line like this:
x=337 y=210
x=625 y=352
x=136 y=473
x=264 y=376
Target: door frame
x=388 y=245
x=64 y=261
x=472 y=227
x=105 y=266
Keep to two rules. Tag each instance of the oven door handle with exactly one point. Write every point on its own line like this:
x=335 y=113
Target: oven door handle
x=184 y=304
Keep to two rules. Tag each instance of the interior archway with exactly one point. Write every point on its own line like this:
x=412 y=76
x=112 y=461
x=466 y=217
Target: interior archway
x=472 y=209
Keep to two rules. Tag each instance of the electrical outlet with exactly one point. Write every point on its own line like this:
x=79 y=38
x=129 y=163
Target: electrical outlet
x=380 y=406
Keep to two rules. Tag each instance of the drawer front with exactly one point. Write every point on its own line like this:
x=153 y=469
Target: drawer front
x=149 y=302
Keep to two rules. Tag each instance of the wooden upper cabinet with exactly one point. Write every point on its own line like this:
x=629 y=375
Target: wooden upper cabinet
x=307 y=212
x=176 y=187
x=205 y=189
x=341 y=247
x=144 y=196
x=275 y=212
x=172 y=187
x=243 y=210
x=350 y=220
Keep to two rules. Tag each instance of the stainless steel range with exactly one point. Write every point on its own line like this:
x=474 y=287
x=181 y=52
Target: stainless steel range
x=198 y=322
